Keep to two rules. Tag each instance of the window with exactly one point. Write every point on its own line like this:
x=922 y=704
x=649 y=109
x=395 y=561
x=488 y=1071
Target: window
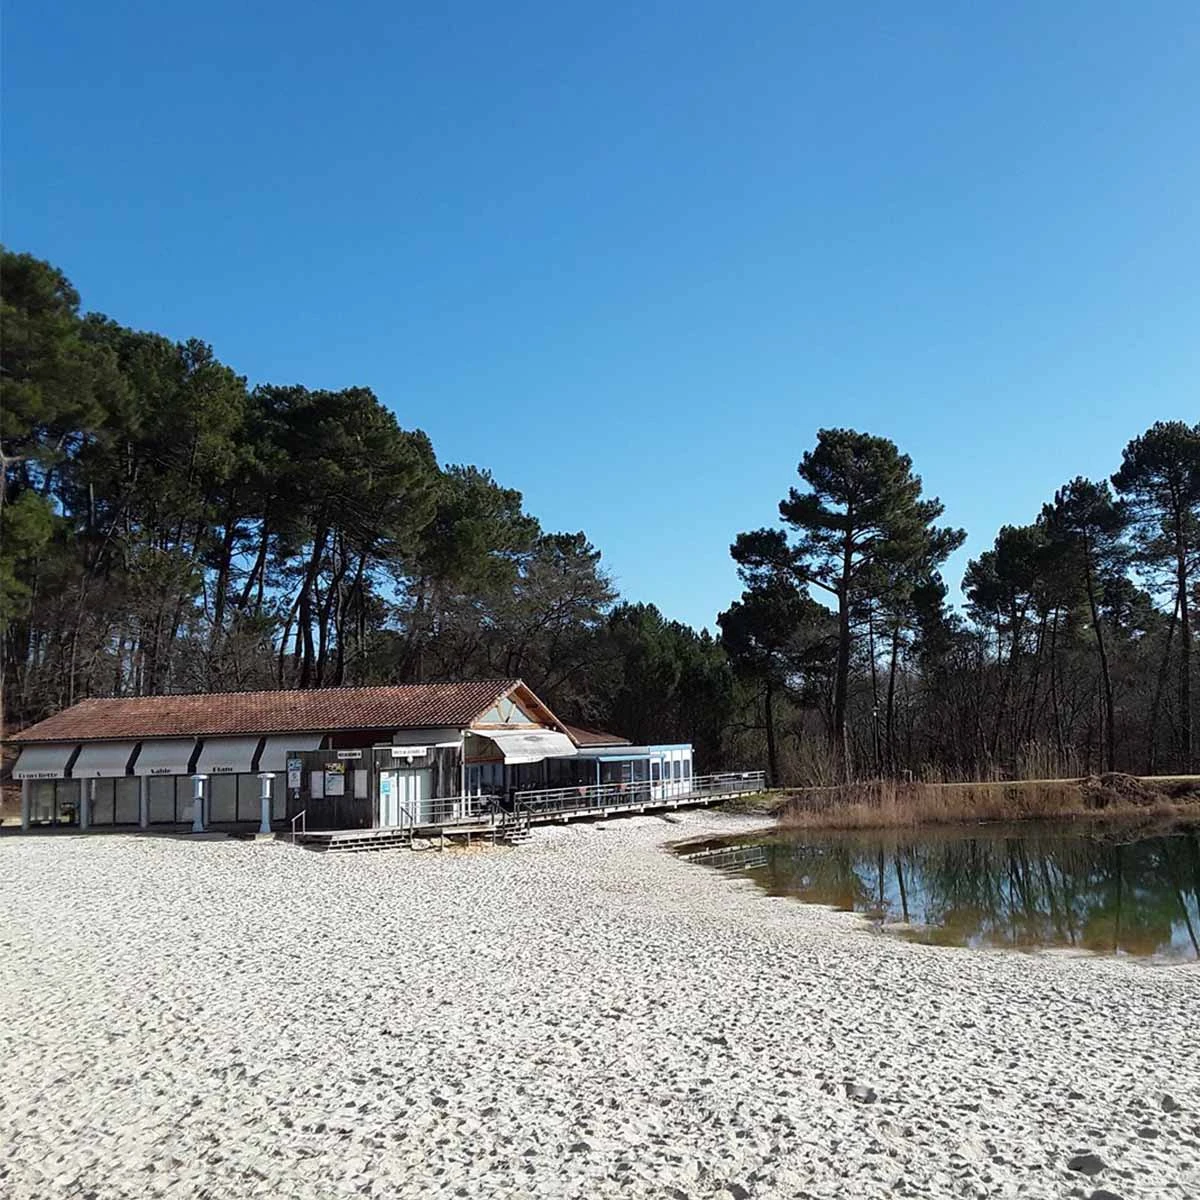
x=687 y=768
x=655 y=771
x=43 y=799
x=678 y=770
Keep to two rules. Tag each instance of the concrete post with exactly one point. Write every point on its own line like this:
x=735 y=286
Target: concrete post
x=264 y=801
x=26 y=802
x=198 y=803
x=143 y=802
x=85 y=806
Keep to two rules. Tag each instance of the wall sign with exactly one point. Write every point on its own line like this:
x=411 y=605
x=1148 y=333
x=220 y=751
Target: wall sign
x=294 y=769
x=335 y=779
x=349 y=754
x=409 y=751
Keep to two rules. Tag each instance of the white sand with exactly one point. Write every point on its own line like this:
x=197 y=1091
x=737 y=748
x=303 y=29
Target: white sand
x=583 y=1016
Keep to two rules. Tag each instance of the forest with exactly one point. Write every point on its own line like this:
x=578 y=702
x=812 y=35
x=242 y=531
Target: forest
x=165 y=527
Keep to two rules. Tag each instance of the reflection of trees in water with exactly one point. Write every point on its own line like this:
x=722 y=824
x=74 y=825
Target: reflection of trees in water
x=1038 y=888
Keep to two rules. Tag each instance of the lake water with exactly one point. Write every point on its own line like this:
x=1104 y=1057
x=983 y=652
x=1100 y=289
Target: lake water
x=1021 y=887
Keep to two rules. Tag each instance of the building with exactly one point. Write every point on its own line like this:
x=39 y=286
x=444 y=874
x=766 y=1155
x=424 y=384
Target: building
x=409 y=756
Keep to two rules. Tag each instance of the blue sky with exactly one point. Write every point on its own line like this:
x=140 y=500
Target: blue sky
x=631 y=260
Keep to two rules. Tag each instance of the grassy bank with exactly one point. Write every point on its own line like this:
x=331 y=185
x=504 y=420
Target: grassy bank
x=887 y=804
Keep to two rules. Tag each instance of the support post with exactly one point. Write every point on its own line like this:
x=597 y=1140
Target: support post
x=198 y=803
x=85 y=809
x=144 y=801
x=264 y=801
x=26 y=802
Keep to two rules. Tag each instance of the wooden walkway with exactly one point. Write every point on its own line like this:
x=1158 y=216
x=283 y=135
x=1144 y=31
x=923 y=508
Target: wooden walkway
x=511 y=824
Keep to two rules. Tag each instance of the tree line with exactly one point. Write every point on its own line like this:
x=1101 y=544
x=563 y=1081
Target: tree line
x=1073 y=654
x=164 y=526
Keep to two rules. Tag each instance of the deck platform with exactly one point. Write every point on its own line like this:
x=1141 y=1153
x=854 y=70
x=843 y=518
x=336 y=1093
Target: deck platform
x=511 y=823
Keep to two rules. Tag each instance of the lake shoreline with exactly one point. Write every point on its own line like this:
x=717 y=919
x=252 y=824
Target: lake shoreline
x=890 y=804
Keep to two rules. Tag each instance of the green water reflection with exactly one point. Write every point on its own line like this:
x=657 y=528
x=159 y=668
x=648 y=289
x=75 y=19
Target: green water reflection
x=1106 y=892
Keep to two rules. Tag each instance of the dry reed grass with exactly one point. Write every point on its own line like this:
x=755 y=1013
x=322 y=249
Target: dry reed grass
x=887 y=804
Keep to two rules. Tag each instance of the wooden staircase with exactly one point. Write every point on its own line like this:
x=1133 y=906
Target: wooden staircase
x=511 y=830
x=355 y=841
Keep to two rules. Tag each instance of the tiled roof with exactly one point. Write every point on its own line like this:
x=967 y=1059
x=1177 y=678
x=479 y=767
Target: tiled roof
x=406 y=706
x=594 y=737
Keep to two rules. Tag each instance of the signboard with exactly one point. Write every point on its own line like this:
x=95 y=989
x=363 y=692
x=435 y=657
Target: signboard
x=409 y=751
x=335 y=779
x=349 y=754
x=167 y=771
x=42 y=775
x=294 y=769
x=222 y=769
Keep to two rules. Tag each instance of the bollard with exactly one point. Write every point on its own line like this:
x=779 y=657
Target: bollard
x=264 y=800
x=198 y=803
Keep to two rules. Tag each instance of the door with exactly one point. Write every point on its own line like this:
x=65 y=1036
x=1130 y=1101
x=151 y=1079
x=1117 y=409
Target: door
x=656 y=785
x=409 y=795
x=389 y=804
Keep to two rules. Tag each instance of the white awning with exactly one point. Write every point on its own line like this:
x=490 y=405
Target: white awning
x=275 y=752
x=227 y=756
x=165 y=756
x=43 y=762
x=102 y=760
x=529 y=745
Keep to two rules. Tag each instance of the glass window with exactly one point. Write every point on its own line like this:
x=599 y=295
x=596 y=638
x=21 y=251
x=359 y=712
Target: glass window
x=678 y=770
x=687 y=768
x=125 y=808
x=655 y=771
x=43 y=800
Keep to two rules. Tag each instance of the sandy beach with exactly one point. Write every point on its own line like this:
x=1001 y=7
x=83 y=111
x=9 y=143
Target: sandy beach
x=582 y=1016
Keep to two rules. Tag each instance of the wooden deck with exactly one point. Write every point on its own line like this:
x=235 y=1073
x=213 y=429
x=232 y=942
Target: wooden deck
x=511 y=825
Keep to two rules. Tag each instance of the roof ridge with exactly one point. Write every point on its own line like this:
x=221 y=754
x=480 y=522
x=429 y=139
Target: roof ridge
x=510 y=681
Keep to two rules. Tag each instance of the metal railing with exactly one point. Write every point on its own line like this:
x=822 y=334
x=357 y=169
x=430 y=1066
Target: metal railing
x=644 y=793
x=302 y=817
x=451 y=810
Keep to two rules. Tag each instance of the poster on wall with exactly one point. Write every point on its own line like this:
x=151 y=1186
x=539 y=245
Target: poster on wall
x=294 y=768
x=335 y=779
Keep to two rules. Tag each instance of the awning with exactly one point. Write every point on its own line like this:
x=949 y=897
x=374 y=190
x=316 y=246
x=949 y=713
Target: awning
x=44 y=762
x=102 y=760
x=165 y=756
x=275 y=752
x=529 y=745
x=227 y=756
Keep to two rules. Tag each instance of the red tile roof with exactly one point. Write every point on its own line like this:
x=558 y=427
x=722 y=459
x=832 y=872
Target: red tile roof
x=406 y=706
x=583 y=737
